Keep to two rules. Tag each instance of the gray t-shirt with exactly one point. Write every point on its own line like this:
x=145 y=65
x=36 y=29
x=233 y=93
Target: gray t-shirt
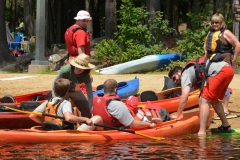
x=120 y=111
x=64 y=107
x=189 y=77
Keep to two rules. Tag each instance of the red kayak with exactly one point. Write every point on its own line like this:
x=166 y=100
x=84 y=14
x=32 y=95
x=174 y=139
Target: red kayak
x=187 y=125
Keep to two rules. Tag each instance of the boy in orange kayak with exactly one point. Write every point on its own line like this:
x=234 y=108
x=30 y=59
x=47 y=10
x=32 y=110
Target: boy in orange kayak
x=60 y=107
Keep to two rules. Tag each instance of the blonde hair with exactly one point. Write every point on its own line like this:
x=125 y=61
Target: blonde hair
x=218 y=17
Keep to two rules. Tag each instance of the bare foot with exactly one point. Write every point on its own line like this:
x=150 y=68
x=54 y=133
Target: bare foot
x=201 y=134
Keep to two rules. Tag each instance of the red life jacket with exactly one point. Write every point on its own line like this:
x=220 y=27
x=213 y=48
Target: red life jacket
x=100 y=108
x=138 y=113
x=69 y=39
x=200 y=70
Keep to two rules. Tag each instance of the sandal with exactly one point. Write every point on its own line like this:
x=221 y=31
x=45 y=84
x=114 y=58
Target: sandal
x=227 y=113
x=221 y=129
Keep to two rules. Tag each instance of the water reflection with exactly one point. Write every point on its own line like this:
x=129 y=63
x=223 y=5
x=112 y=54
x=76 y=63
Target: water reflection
x=185 y=147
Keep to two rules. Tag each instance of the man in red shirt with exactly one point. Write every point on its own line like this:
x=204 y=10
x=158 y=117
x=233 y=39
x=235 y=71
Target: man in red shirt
x=77 y=37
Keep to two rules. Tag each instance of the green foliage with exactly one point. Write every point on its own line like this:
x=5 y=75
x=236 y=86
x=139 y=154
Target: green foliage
x=200 y=15
x=134 y=38
x=192 y=44
x=131 y=30
x=108 y=52
x=160 y=26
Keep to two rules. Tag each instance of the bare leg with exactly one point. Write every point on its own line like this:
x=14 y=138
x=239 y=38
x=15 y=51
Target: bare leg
x=226 y=100
x=204 y=113
x=225 y=104
x=218 y=107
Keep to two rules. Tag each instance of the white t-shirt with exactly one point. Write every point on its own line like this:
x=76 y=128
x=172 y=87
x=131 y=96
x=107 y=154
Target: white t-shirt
x=64 y=107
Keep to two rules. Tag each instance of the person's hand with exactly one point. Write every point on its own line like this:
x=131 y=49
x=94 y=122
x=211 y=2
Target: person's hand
x=149 y=116
x=89 y=122
x=152 y=125
x=91 y=78
x=177 y=117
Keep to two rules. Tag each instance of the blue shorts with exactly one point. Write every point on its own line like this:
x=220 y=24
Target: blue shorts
x=227 y=94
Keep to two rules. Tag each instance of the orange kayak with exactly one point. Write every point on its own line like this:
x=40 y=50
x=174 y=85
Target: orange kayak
x=187 y=125
x=171 y=104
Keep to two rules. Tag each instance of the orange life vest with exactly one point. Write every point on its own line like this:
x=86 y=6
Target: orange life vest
x=51 y=108
x=100 y=108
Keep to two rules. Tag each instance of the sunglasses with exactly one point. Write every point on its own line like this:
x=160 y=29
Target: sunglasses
x=214 y=22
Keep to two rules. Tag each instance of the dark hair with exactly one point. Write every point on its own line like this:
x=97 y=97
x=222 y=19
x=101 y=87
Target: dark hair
x=109 y=86
x=20 y=19
x=61 y=87
x=174 y=71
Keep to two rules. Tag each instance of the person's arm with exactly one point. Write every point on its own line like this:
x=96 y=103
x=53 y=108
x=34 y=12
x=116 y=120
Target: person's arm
x=69 y=117
x=89 y=94
x=139 y=124
x=81 y=49
x=37 y=118
x=234 y=42
x=120 y=111
x=205 y=49
x=182 y=102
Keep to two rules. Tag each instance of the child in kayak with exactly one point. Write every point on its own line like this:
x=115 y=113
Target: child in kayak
x=62 y=108
x=148 y=114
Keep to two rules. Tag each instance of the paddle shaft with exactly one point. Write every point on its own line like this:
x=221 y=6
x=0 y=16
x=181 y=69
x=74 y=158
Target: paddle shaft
x=116 y=128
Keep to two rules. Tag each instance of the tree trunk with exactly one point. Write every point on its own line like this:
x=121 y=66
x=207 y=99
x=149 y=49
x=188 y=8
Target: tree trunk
x=152 y=7
x=89 y=8
x=219 y=4
x=5 y=54
x=28 y=21
x=110 y=18
x=169 y=12
x=96 y=19
x=175 y=16
x=59 y=35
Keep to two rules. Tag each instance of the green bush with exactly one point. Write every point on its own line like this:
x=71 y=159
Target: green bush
x=192 y=44
x=131 y=30
x=108 y=53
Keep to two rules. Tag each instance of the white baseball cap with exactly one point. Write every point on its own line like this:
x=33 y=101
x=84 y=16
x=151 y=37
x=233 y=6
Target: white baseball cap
x=83 y=15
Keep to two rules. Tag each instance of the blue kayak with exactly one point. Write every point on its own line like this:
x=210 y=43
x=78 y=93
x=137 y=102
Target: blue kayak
x=146 y=63
x=125 y=89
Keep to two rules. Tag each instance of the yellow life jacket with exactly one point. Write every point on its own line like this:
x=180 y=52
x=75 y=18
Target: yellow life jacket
x=216 y=43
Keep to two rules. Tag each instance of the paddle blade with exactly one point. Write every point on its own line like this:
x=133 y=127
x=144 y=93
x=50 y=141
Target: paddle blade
x=151 y=137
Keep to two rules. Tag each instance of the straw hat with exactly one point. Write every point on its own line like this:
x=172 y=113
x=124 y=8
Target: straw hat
x=81 y=61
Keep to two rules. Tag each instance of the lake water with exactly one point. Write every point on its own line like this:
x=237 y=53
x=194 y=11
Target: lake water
x=185 y=147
